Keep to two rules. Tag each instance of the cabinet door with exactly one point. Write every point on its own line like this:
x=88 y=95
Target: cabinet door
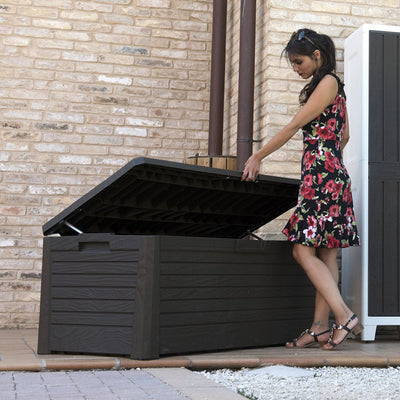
x=384 y=174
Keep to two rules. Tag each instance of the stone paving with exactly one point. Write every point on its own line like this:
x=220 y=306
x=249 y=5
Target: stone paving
x=85 y=385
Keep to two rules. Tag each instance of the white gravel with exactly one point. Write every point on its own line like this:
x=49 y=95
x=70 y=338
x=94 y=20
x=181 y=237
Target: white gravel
x=327 y=383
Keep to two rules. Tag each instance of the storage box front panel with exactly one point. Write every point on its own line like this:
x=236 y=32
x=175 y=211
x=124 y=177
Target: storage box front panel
x=146 y=296
x=92 y=293
x=219 y=294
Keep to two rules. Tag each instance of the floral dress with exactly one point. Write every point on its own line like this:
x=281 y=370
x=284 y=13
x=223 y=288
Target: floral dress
x=324 y=216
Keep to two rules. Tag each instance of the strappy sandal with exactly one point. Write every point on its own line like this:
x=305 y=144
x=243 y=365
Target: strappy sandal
x=355 y=330
x=310 y=344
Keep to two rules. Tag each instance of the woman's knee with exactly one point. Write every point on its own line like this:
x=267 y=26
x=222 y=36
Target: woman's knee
x=300 y=253
x=295 y=253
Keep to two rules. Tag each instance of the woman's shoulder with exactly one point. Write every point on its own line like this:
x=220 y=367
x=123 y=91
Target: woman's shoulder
x=329 y=84
x=331 y=78
x=340 y=84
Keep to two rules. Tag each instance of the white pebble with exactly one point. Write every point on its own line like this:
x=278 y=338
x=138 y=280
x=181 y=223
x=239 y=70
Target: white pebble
x=327 y=383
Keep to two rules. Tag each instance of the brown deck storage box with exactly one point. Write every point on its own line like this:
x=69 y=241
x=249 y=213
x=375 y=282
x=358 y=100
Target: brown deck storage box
x=162 y=265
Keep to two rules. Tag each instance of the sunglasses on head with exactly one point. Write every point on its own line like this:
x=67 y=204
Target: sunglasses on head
x=302 y=35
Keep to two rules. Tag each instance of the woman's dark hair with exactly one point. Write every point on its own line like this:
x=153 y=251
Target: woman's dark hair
x=304 y=42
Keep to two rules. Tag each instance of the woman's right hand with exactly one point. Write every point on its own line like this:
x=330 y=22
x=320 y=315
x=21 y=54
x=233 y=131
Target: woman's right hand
x=251 y=168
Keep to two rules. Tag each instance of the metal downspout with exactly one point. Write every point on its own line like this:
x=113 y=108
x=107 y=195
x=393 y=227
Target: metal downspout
x=216 y=116
x=246 y=82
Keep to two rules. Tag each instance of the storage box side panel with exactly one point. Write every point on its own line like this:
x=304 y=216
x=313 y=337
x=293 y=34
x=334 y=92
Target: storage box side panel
x=224 y=294
x=45 y=296
x=93 y=289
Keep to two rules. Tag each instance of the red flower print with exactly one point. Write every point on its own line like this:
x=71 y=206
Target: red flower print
x=332 y=242
x=329 y=166
x=338 y=187
x=334 y=211
x=325 y=133
x=329 y=156
x=332 y=125
x=330 y=186
x=307 y=192
x=319 y=178
x=308 y=180
x=349 y=212
x=330 y=162
x=294 y=219
x=311 y=141
x=309 y=159
x=347 y=198
x=312 y=221
x=342 y=108
x=318 y=241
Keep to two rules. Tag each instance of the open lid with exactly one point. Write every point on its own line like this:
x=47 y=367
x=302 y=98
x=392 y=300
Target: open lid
x=155 y=197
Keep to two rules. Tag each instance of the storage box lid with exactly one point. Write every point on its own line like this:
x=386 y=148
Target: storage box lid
x=155 y=197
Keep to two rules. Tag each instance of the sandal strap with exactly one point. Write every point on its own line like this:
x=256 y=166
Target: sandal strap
x=345 y=326
x=339 y=326
x=311 y=333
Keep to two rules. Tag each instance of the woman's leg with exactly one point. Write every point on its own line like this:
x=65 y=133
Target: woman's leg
x=321 y=311
x=324 y=279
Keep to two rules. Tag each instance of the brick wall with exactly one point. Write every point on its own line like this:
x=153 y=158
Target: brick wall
x=88 y=85
x=85 y=87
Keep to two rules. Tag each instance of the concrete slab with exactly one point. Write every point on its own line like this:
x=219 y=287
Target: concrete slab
x=194 y=386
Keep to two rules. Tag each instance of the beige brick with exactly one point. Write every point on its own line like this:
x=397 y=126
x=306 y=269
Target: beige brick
x=103 y=140
x=80 y=15
x=72 y=35
x=34 y=32
x=78 y=56
x=71 y=159
x=165 y=33
x=370 y=11
x=120 y=80
x=17 y=41
x=118 y=19
x=41 y=12
x=154 y=23
x=53 y=24
x=54 y=44
x=169 y=53
x=94 y=6
x=132 y=31
x=130 y=152
x=154 y=3
x=110 y=38
x=94 y=68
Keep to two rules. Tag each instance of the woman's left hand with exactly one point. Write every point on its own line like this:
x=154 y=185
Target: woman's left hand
x=251 y=169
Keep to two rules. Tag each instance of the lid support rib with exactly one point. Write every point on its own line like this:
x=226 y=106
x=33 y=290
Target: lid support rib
x=74 y=228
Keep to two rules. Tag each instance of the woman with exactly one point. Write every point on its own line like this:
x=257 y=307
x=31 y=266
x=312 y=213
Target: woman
x=324 y=219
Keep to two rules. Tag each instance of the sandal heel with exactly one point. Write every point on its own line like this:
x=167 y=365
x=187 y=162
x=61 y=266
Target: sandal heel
x=357 y=329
